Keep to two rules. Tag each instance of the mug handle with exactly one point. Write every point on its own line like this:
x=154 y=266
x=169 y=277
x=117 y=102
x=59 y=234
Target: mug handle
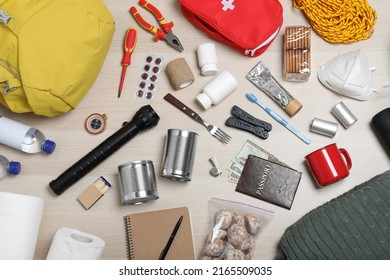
x=345 y=153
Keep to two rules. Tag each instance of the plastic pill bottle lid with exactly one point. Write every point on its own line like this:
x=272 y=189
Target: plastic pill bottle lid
x=48 y=146
x=204 y=100
x=14 y=167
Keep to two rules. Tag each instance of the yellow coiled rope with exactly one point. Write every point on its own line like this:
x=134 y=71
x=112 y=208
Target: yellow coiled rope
x=339 y=21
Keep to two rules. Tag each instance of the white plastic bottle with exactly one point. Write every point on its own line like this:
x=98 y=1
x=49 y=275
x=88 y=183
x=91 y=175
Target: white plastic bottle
x=23 y=137
x=217 y=89
x=8 y=167
x=207 y=59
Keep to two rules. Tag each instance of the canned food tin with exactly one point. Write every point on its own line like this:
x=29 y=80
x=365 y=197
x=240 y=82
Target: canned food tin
x=137 y=182
x=179 y=154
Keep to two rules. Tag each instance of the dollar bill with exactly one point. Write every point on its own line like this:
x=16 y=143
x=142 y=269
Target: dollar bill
x=238 y=161
x=233 y=177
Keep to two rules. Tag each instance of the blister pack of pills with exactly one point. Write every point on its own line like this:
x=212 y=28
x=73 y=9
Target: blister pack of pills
x=147 y=83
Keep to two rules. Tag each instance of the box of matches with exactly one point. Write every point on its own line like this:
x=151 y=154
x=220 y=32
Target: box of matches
x=297 y=53
x=94 y=192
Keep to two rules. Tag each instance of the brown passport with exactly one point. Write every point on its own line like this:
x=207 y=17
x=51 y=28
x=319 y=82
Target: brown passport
x=269 y=181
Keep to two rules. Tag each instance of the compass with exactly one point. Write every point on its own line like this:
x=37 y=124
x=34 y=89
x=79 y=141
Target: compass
x=96 y=123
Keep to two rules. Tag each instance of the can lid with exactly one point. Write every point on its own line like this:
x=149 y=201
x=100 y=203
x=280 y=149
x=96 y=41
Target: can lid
x=48 y=146
x=14 y=167
x=293 y=107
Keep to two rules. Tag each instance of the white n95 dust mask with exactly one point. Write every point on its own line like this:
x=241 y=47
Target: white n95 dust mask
x=349 y=74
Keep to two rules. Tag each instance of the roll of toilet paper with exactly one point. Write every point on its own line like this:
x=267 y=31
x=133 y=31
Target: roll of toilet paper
x=20 y=218
x=72 y=244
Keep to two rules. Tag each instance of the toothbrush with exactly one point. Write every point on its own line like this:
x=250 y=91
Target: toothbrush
x=278 y=118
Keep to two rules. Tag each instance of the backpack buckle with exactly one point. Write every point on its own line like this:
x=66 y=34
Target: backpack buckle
x=4 y=17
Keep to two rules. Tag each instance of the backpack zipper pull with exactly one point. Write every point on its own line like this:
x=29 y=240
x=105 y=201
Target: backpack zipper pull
x=4 y=17
x=6 y=88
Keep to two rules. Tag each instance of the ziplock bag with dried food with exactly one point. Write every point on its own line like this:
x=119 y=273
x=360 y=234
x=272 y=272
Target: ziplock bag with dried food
x=234 y=229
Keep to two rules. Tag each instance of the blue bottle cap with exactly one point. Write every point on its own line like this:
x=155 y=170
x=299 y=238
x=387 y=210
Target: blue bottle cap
x=48 y=146
x=14 y=167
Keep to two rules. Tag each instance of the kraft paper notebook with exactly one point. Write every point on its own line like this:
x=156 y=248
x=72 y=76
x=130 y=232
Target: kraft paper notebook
x=147 y=234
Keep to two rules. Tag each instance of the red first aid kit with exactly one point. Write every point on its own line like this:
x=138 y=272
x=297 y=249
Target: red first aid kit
x=248 y=26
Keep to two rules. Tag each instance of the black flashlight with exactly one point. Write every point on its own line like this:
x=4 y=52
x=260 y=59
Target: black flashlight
x=144 y=118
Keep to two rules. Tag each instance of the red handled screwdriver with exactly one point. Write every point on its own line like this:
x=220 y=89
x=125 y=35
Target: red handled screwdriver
x=130 y=40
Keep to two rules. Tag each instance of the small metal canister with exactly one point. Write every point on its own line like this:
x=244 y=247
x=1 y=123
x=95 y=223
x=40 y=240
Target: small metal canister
x=323 y=127
x=343 y=114
x=179 y=154
x=138 y=182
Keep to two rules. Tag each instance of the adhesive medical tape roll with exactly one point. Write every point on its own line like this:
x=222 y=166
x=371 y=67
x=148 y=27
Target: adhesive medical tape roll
x=20 y=218
x=179 y=73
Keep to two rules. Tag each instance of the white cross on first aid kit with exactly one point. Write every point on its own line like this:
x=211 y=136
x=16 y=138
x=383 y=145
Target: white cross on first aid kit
x=227 y=5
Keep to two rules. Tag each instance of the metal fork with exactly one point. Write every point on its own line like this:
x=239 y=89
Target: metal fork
x=218 y=133
x=214 y=130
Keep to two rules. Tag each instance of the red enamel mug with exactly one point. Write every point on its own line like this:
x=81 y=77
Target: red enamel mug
x=329 y=164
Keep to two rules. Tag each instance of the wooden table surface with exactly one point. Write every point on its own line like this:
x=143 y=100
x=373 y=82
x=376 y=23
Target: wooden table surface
x=104 y=219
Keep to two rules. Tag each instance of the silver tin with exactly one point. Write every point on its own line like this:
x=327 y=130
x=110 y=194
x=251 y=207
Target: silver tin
x=323 y=127
x=179 y=154
x=343 y=114
x=137 y=182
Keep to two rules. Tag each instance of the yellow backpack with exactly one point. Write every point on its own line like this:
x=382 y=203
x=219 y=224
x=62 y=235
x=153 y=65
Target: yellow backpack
x=51 y=52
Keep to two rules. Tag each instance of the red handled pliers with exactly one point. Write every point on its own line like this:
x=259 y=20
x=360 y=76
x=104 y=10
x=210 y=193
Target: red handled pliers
x=165 y=34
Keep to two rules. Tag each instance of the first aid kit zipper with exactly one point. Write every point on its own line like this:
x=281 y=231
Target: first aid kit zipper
x=251 y=52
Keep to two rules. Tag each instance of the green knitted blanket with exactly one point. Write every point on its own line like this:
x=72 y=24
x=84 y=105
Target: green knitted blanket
x=355 y=225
